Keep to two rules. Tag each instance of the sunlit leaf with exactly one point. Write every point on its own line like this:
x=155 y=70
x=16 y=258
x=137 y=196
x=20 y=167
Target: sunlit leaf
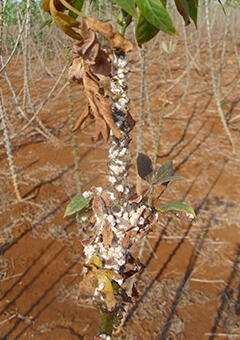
x=77 y=4
x=65 y=22
x=45 y=5
x=144 y=31
x=77 y=204
x=95 y=260
x=177 y=206
x=155 y=13
x=128 y=6
x=107 y=290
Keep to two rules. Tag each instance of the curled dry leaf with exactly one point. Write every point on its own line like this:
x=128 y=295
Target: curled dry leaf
x=98 y=206
x=128 y=238
x=92 y=68
x=114 y=38
x=66 y=23
x=107 y=235
x=87 y=288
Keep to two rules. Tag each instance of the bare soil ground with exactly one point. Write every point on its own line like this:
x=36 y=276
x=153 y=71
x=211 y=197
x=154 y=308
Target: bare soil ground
x=190 y=288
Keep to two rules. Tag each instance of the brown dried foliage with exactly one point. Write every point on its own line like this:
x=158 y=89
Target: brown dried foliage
x=91 y=67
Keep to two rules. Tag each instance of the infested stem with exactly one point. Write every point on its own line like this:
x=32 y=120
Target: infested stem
x=119 y=148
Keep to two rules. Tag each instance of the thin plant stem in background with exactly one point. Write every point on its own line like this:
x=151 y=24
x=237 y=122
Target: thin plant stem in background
x=8 y=147
x=140 y=125
x=27 y=100
x=214 y=84
x=74 y=137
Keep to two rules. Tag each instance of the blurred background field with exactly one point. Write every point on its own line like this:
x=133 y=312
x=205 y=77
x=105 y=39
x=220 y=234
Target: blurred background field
x=190 y=288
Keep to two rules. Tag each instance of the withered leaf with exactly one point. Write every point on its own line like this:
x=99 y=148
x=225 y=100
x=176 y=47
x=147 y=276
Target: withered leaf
x=81 y=118
x=64 y=21
x=101 y=106
x=98 y=206
x=114 y=38
x=126 y=241
x=87 y=287
x=107 y=198
x=107 y=235
x=76 y=70
x=104 y=277
x=101 y=129
x=92 y=68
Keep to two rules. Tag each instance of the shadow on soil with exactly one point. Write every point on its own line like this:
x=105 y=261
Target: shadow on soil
x=192 y=261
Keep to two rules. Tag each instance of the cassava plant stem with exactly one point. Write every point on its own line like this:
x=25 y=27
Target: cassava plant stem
x=140 y=124
x=74 y=137
x=214 y=83
x=8 y=147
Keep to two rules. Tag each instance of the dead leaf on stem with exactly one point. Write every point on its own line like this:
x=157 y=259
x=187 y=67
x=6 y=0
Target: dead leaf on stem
x=92 y=68
x=107 y=235
x=114 y=38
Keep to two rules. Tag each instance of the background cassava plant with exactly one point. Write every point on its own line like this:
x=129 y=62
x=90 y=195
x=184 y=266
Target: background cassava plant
x=115 y=217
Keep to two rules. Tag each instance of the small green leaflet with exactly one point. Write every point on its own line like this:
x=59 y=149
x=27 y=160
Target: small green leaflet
x=128 y=6
x=155 y=13
x=48 y=23
x=77 y=4
x=168 y=179
x=177 y=206
x=165 y=170
x=165 y=173
x=144 y=31
x=77 y=203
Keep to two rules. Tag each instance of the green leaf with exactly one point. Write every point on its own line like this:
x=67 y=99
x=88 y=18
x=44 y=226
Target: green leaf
x=168 y=179
x=77 y=203
x=183 y=9
x=144 y=31
x=77 y=4
x=128 y=6
x=165 y=170
x=219 y=1
x=193 y=10
x=155 y=13
x=164 y=47
x=164 y=2
x=177 y=206
x=47 y=22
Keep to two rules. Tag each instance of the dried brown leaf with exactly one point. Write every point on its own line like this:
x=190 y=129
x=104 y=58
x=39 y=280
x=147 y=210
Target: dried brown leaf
x=114 y=38
x=81 y=118
x=101 y=106
x=101 y=129
x=76 y=70
x=92 y=68
x=98 y=206
x=128 y=238
x=107 y=235
x=87 y=287
x=107 y=198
